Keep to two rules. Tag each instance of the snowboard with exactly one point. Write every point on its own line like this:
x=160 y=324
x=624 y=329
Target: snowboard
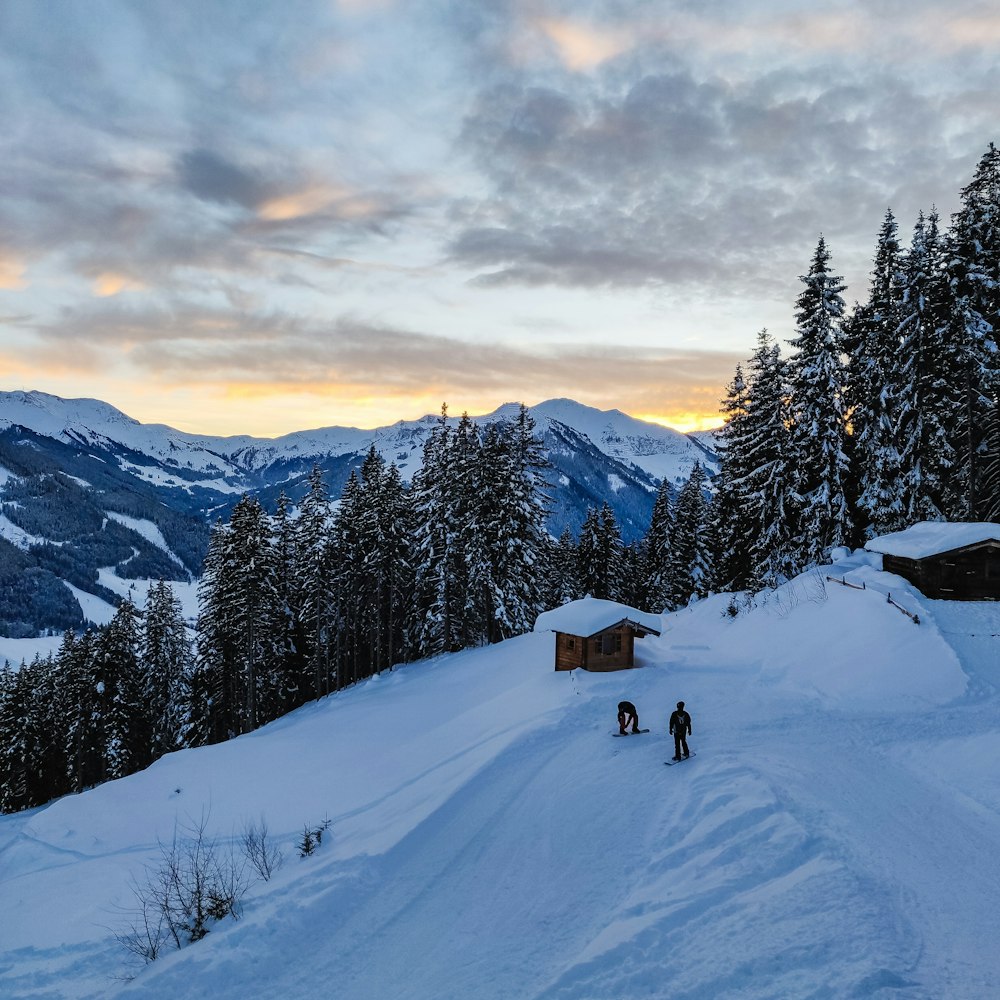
x=670 y=763
x=630 y=733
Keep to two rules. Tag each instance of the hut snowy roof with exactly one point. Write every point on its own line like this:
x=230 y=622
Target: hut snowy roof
x=930 y=538
x=590 y=615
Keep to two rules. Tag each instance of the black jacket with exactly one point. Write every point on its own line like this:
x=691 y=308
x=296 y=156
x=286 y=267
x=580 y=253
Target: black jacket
x=681 y=722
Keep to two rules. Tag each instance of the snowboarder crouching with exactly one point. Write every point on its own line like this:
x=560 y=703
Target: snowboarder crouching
x=627 y=714
x=680 y=729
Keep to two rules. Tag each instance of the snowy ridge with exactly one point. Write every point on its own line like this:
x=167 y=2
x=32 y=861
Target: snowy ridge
x=658 y=450
x=829 y=839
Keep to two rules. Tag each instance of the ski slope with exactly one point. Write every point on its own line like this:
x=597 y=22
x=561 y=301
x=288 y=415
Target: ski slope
x=836 y=835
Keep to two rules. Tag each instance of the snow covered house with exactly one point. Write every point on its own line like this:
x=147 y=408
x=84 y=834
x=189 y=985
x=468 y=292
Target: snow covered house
x=947 y=560
x=595 y=634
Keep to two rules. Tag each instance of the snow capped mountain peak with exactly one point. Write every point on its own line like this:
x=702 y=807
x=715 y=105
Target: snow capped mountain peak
x=659 y=451
x=51 y=415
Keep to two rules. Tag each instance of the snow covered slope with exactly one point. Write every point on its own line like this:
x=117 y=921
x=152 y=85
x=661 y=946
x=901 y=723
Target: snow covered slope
x=835 y=836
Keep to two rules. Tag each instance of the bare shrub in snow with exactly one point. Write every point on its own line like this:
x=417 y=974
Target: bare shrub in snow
x=815 y=587
x=263 y=854
x=196 y=884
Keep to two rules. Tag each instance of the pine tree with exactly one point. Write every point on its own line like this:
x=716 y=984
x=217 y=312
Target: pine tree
x=818 y=419
x=14 y=764
x=256 y=615
x=691 y=569
x=289 y=640
x=509 y=517
x=631 y=583
x=736 y=529
x=973 y=265
x=374 y=559
x=873 y=392
x=929 y=396
x=127 y=728
x=990 y=503
x=239 y=630
x=82 y=677
x=166 y=656
x=564 y=578
x=600 y=554
x=439 y=596
x=312 y=587
x=757 y=471
x=206 y=714
x=657 y=551
x=474 y=462
x=45 y=732
x=347 y=590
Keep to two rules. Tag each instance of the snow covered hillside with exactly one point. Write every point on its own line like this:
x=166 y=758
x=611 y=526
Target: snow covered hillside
x=835 y=836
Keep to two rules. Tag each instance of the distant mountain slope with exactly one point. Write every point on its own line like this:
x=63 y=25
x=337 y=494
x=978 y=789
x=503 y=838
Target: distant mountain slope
x=83 y=486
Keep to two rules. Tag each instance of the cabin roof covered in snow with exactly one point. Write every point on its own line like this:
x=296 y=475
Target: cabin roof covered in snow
x=930 y=538
x=590 y=615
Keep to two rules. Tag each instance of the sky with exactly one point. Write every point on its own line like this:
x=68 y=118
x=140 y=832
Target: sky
x=257 y=218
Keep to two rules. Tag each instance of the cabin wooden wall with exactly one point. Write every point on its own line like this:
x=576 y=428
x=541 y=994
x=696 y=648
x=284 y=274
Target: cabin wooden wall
x=569 y=651
x=613 y=649
x=969 y=574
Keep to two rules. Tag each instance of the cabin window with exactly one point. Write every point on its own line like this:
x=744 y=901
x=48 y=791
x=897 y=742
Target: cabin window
x=611 y=643
x=993 y=568
x=570 y=642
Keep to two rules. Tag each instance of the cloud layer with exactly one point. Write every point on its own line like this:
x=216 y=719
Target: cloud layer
x=370 y=196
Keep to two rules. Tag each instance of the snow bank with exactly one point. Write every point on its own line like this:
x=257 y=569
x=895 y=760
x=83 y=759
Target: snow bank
x=849 y=649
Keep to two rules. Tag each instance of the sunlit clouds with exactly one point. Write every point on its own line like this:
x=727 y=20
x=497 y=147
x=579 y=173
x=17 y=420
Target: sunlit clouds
x=109 y=283
x=256 y=219
x=583 y=46
x=12 y=271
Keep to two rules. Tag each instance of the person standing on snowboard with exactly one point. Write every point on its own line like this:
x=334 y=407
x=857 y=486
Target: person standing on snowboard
x=627 y=714
x=680 y=729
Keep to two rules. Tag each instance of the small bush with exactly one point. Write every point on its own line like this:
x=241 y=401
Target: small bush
x=312 y=837
x=262 y=853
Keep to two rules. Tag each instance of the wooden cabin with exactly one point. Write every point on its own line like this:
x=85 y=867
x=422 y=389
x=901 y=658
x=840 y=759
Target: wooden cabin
x=946 y=560
x=596 y=635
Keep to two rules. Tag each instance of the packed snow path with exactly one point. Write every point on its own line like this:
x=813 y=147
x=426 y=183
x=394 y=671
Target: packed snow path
x=836 y=835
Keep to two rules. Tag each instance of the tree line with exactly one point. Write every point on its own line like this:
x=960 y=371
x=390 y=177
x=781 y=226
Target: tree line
x=884 y=415
x=108 y=703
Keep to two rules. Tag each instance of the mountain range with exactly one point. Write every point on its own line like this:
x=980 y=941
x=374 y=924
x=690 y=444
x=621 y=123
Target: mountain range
x=87 y=491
